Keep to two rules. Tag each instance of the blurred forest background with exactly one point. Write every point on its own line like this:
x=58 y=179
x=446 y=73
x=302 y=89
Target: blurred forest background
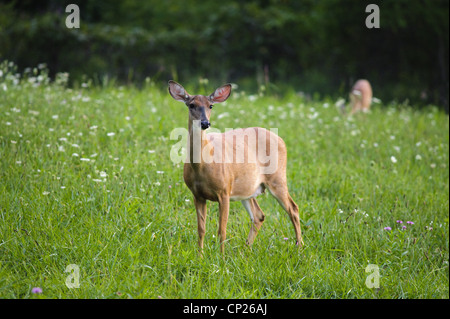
x=317 y=47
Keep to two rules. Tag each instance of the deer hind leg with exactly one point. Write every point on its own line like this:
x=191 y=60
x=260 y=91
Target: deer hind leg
x=280 y=192
x=256 y=215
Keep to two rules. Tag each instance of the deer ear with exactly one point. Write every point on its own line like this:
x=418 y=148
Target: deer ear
x=178 y=92
x=221 y=94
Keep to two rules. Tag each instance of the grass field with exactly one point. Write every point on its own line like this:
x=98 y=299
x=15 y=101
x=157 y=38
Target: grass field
x=86 y=179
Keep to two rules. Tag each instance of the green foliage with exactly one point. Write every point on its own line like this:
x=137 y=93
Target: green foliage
x=86 y=179
x=315 y=46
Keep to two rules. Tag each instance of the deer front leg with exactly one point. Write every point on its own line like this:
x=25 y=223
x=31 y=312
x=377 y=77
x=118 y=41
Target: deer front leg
x=200 y=207
x=224 y=206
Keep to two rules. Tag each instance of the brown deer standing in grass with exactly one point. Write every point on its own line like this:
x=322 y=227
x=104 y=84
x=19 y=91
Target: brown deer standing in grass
x=360 y=96
x=232 y=166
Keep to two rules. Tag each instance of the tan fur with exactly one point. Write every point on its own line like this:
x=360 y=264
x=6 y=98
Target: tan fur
x=225 y=181
x=360 y=96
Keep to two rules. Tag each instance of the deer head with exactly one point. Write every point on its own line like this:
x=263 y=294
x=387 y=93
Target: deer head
x=199 y=105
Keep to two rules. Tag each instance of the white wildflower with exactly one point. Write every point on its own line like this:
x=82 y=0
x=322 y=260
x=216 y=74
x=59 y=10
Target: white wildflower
x=393 y=159
x=340 y=102
x=376 y=100
x=222 y=115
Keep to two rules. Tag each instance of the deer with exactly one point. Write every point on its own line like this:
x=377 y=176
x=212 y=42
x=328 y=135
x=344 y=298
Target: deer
x=213 y=172
x=360 y=96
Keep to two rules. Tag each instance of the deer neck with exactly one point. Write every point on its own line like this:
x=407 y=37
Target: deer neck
x=196 y=143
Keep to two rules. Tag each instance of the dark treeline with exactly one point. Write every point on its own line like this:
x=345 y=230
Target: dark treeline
x=312 y=46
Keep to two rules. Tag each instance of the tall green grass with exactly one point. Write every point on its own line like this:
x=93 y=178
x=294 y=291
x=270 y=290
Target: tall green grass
x=86 y=179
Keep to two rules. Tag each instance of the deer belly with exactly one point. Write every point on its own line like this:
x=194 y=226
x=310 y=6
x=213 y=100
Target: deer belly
x=246 y=195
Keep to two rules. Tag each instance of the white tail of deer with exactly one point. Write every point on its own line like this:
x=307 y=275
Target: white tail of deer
x=211 y=175
x=360 y=96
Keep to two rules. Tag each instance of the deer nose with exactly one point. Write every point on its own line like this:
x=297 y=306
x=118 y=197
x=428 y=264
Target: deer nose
x=205 y=125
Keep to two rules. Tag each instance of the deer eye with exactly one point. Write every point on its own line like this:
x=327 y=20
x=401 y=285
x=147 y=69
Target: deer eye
x=210 y=106
x=191 y=106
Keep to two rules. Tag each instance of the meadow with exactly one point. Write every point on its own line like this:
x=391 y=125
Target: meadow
x=86 y=179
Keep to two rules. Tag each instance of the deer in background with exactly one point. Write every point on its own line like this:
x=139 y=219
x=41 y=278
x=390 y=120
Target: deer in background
x=360 y=96
x=223 y=180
